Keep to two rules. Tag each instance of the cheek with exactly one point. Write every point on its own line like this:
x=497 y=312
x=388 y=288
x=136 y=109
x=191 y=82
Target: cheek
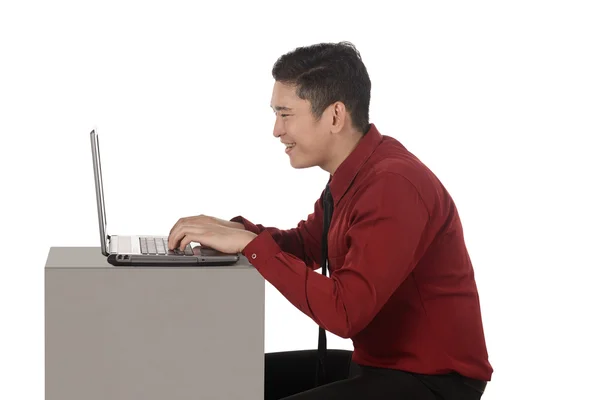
x=307 y=136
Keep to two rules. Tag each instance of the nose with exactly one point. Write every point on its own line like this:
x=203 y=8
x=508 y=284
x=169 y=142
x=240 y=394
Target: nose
x=279 y=128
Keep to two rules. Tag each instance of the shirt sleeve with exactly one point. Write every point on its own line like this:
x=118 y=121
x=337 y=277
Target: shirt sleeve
x=303 y=242
x=385 y=237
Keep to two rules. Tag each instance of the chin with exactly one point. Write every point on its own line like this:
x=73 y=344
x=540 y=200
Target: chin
x=299 y=164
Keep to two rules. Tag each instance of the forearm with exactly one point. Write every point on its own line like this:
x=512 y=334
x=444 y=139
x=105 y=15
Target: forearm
x=297 y=241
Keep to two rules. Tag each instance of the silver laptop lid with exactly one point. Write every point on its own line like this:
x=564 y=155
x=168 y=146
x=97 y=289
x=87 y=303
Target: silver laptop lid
x=99 y=192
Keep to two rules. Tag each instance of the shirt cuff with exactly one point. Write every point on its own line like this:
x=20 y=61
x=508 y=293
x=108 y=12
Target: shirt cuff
x=249 y=226
x=261 y=249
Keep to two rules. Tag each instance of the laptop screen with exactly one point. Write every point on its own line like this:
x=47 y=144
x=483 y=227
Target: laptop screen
x=99 y=191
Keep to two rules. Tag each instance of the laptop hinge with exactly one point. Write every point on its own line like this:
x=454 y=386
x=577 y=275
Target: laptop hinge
x=110 y=245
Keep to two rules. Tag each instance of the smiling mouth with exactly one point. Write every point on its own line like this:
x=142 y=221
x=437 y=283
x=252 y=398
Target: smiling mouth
x=289 y=147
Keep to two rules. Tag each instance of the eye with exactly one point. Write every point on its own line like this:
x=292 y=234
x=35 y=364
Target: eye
x=282 y=115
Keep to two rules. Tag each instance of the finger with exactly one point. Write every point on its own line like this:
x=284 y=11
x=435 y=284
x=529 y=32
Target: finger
x=170 y=240
x=176 y=236
x=182 y=231
x=197 y=220
x=179 y=222
x=187 y=239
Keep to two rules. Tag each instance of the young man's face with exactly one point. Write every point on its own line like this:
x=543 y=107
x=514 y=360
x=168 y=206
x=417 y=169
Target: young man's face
x=295 y=124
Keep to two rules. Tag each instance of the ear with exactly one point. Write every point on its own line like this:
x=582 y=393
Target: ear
x=338 y=110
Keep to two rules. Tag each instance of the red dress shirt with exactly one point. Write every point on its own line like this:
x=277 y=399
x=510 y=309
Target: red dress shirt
x=402 y=286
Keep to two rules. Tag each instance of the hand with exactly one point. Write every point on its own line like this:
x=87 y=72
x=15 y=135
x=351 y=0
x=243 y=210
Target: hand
x=205 y=219
x=214 y=235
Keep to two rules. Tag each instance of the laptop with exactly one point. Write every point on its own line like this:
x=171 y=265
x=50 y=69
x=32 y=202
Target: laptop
x=146 y=250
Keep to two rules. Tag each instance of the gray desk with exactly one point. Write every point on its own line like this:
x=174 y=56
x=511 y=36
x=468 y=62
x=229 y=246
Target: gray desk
x=128 y=333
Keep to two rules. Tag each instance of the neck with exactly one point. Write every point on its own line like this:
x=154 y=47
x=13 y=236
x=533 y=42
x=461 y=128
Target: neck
x=342 y=149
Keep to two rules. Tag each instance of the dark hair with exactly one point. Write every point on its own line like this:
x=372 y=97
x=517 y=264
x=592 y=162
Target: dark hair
x=325 y=73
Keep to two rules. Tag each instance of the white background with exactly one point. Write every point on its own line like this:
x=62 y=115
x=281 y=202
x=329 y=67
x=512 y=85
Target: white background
x=500 y=100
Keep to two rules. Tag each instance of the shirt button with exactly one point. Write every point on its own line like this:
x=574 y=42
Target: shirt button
x=253 y=256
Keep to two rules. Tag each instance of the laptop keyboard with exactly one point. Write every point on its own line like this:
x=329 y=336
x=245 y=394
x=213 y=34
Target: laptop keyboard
x=157 y=245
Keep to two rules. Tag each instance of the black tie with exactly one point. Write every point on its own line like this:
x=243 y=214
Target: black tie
x=327 y=212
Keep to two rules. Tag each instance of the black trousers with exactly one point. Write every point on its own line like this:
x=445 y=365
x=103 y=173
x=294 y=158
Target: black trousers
x=291 y=375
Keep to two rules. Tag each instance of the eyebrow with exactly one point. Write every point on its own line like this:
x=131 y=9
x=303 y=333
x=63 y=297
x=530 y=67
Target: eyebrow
x=281 y=108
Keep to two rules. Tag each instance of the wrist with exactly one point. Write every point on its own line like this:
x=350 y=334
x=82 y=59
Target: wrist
x=236 y=225
x=239 y=225
x=249 y=237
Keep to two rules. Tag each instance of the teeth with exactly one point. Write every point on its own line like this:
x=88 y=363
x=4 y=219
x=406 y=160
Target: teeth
x=290 y=145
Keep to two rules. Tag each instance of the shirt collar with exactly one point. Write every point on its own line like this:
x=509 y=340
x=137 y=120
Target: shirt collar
x=343 y=176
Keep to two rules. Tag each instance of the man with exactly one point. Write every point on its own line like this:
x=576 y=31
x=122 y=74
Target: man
x=401 y=284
